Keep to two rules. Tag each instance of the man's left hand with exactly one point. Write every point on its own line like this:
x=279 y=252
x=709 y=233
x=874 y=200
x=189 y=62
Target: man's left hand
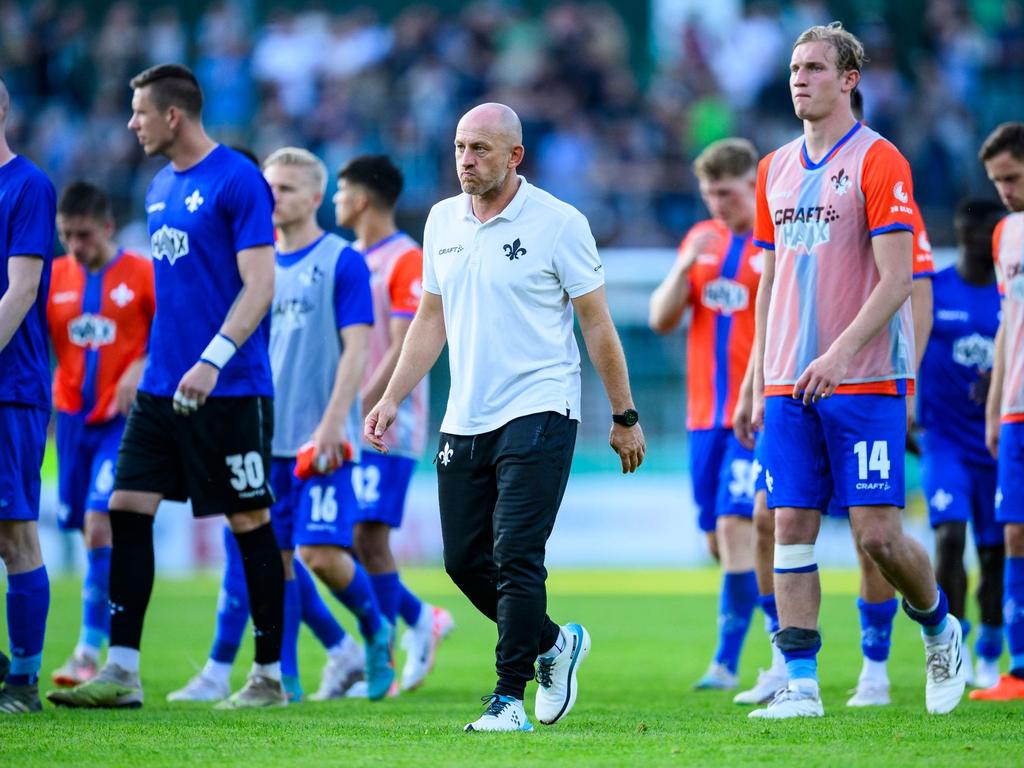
x=629 y=443
x=193 y=389
x=822 y=376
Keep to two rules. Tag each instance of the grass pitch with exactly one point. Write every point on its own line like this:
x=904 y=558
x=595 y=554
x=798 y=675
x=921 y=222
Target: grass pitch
x=653 y=634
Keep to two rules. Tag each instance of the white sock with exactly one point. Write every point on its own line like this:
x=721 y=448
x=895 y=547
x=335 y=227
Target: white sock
x=778 y=661
x=558 y=647
x=124 y=657
x=218 y=671
x=273 y=671
x=874 y=671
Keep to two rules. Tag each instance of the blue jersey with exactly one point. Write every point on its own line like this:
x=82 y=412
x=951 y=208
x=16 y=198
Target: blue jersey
x=199 y=219
x=28 y=208
x=950 y=386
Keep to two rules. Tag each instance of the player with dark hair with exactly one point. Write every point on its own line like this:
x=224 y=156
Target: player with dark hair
x=368 y=188
x=27 y=209
x=100 y=308
x=203 y=417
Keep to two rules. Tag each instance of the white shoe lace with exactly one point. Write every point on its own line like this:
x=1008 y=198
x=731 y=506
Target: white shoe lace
x=939 y=664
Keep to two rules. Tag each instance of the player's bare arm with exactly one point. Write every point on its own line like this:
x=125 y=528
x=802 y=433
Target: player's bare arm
x=423 y=344
x=921 y=306
x=993 y=405
x=669 y=300
x=398 y=328
x=329 y=434
x=742 y=413
x=256 y=268
x=763 y=302
x=23 y=275
x=128 y=385
x=892 y=252
x=606 y=354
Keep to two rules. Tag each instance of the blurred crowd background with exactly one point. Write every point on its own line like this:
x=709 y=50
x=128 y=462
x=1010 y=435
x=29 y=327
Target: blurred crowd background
x=616 y=97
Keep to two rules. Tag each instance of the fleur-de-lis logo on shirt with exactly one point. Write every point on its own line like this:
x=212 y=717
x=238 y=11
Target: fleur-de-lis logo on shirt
x=193 y=201
x=514 y=251
x=841 y=182
x=446 y=455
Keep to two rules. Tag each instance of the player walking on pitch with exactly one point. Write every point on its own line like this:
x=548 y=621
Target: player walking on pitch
x=27 y=209
x=203 y=418
x=504 y=265
x=834 y=359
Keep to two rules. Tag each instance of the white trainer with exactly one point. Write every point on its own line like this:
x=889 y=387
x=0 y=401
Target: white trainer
x=790 y=702
x=717 y=678
x=769 y=682
x=986 y=673
x=201 y=688
x=870 y=693
x=556 y=676
x=420 y=643
x=342 y=670
x=503 y=713
x=945 y=670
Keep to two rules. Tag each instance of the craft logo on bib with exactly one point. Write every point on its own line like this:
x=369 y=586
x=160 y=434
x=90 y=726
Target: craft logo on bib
x=169 y=243
x=806 y=227
x=725 y=296
x=92 y=331
x=974 y=351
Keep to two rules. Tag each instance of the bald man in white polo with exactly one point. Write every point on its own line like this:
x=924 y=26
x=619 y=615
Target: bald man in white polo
x=505 y=265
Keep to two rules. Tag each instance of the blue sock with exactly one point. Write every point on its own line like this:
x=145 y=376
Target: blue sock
x=233 y=605
x=315 y=613
x=932 y=620
x=876 y=627
x=1013 y=610
x=95 y=593
x=409 y=606
x=28 y=601
x=771 y=612
x=386 y=586
x=989 y=645
x=358 y=597
x=290 y=630
x=736 y=606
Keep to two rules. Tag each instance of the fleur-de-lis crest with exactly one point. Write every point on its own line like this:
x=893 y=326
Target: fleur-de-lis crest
x=841 y=182
x=514 y=251
x=446 y=455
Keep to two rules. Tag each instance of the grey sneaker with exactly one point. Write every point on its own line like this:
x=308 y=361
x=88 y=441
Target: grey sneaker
x=258 y=691
x=113 y=687
x=19 y=699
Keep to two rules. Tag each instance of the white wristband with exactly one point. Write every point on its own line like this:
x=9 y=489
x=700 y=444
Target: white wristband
x=219 y=351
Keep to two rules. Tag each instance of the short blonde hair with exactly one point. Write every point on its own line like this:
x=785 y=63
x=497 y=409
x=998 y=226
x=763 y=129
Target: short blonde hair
x=849 y=51
x=731 y=158
x=302 y=158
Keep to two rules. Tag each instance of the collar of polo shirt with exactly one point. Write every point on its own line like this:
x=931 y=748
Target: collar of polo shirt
x=510 y=212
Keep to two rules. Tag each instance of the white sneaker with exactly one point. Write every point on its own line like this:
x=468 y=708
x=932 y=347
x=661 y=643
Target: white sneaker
x=717 y=678
x=556 y=676
x=421 y=642
x=769 y=682
x=503 y=713
x=201 y=688
x=791 y=702
x=986 y=673
x=870 y=693
x=945 y=670
x=342 y=670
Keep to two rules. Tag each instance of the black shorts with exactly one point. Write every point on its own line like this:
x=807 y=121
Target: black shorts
x=219 y=457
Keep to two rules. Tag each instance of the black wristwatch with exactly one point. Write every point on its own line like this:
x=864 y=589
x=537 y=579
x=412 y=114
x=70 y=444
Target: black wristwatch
x=627 y=418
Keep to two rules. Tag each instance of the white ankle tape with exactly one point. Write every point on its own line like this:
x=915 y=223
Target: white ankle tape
x=792 y=557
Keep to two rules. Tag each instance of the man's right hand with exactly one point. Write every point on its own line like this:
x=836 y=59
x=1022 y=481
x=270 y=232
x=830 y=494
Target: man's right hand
x=992 y=426
x=378 y=420
x=743 y=418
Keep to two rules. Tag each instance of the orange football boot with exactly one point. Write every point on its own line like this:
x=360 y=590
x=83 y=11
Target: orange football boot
x=1009 y=688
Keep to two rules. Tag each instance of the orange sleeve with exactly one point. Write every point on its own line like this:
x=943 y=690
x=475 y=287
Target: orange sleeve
x=764 y=227
x=405 y=288
x=997 y=235
x=924 y=264
x=888 y=190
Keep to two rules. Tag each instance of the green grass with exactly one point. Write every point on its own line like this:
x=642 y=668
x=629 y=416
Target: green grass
x=653 y=633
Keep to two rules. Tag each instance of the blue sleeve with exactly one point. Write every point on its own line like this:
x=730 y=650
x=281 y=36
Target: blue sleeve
x=32 y=222
x=353 y=301
x=248 y=204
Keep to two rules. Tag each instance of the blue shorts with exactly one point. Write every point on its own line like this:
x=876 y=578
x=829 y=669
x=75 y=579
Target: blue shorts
x=959 y=490
x=846 y=448
x=833 y=510
x=318 y=511
x=22 y=445
x=86 y=459
x=1010 y=495
x=382 y=482
x=723 y=474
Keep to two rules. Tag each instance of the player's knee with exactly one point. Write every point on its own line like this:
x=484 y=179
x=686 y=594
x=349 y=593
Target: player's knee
x=795 y=528
x=764 y=523
x=97 y=531
x=950 y=539
x=1014 y=535
x=878 y=544
x=17 y=553
x=371 y=544
x=244 y=522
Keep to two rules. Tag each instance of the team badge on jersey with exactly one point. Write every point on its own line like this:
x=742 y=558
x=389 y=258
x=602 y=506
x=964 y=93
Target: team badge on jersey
x=193 y=201
x=122 y=295
x=169 y=243
x=725 y=296
x=92 y=331
x=841 y=182
x=899 y=193
x=974 y=351
x=514 y=251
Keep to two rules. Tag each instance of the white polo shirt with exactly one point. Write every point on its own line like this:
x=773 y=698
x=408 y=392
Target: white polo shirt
x=505 y=286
